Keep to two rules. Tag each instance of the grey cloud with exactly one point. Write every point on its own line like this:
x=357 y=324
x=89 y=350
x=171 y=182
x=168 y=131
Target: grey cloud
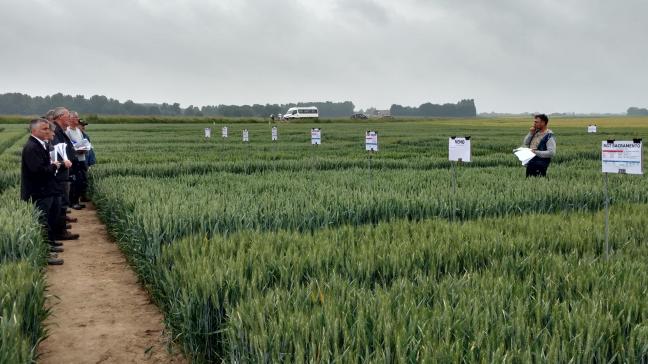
x=509 y=55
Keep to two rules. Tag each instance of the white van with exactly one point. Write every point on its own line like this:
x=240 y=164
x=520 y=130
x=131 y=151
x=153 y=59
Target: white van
x=301 y=112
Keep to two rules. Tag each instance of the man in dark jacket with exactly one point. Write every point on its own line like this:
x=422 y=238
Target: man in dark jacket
x=60 y=117
x=38 y=183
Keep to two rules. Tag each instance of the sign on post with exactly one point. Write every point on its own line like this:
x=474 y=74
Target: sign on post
x=371 y=141
x=622 y=156
x=246 y=136
x=591 y=129
x=316 y=136
x=207 y=133
x=275 y=134
x=459 y=149
x=224 y=132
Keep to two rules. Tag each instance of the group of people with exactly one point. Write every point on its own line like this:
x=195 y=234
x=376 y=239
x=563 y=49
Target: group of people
x=54 y=173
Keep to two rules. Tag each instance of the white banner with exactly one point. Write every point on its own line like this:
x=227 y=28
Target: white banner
x=591 y=128
x=207 y=132
x=459 y=149
x=316 y=136
x=371 y=141
x=224 y=132
x=622 y=156
x=246 y=135
x=275 y=134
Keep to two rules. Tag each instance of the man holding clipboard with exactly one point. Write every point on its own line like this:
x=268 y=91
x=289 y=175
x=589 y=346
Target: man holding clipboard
x=543 y=144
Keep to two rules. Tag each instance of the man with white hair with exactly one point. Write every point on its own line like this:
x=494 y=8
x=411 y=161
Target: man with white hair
x=61 y=117
x=37 y=182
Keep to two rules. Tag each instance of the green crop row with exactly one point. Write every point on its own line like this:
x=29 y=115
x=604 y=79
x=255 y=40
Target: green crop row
x=500 y=289
x=22 y=255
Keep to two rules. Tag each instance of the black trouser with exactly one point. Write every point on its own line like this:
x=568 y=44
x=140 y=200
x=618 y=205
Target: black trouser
x=49 y=209
x=537 y=167
x=80 y=183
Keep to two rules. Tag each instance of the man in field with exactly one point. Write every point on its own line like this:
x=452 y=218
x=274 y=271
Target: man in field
x=542 y=142
x=61 y=119
x=80 y=169
x=37 y=182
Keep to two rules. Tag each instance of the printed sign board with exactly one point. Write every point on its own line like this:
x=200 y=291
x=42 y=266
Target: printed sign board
x=316 y=136
x=246 y=135
x=224 y=132
x=622 y=156
x=275 y=134
x=371 y=141
x=459 y=149
x=207 y=132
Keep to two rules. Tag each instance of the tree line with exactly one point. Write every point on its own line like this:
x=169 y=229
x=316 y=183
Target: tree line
x=23 y=104
x=636 y=111
x=463 y=108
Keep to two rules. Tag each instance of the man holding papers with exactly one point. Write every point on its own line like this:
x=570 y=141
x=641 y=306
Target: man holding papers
x=542 y=143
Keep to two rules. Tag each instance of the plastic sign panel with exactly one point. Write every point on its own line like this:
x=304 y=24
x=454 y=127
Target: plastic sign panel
x=622 y=156
x=591 y=128
x=224 y=132
x=316 y=136
x=207 y=132
x=275 y=134
x=459 y=149
x=246 y=135
x=371 y=141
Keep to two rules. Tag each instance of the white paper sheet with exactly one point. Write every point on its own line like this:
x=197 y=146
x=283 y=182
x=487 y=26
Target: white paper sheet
x=524 y=155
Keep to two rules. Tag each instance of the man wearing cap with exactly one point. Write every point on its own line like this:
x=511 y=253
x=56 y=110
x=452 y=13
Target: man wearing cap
x=541 y=141
x=37 y=182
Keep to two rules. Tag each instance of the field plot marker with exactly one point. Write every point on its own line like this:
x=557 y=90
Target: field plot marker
x=371 y=146
x=620 y=157
x=459 y=149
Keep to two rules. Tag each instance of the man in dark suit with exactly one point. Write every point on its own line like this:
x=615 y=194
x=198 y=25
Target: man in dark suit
x=60 y=117
x=37 y=183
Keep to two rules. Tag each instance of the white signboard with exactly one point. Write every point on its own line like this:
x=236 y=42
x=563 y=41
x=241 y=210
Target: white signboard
x=459 y=149
x=591 y=128
x=316 y=136
x=207 y=132
x=224 y=132
x=371 y=141
x=622 y=156
x=246 y=135
x=275 y=134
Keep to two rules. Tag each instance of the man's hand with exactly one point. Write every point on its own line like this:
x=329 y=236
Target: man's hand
x=532 y=130
x=57 y=164
x=67 y=164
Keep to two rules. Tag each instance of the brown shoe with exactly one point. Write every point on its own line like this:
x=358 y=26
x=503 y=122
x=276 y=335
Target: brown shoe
x=71 y=219
x=56 y=249
x=54 y=261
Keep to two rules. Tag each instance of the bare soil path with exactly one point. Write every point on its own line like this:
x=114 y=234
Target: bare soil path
x=100 y=313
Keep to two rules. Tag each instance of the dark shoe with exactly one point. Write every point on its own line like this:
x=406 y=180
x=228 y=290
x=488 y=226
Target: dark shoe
x=53 y=255
x=68 y=226
x=68 y=236
x=55 y=243
x=77 y=206
x=83 y=206
x=68 y=211
x=56 y=249
x=54 y=261
x=71 y=219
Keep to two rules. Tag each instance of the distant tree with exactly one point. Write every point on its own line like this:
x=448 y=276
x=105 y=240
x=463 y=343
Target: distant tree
x=635 y=111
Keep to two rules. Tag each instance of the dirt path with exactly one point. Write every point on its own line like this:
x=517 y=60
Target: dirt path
x=100 y=312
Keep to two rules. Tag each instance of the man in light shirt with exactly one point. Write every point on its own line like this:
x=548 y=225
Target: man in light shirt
x=541 y=141
x=80 y=170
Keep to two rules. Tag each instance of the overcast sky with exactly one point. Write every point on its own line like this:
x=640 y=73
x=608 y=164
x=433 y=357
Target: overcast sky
x=509 y=55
